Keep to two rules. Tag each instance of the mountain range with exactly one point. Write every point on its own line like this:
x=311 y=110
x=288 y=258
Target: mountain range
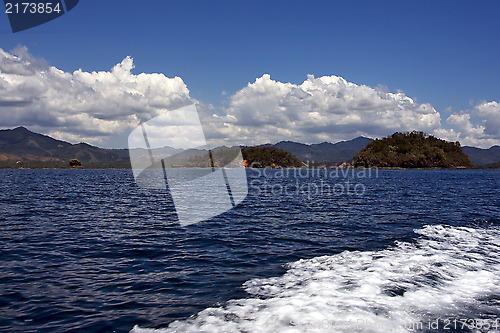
x=326 y=151
x=29 y=149
x=483 y=157
x=21 y=147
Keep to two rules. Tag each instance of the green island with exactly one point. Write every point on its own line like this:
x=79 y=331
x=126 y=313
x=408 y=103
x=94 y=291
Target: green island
x=269 y=157
x=253 y=157
x=412 y=150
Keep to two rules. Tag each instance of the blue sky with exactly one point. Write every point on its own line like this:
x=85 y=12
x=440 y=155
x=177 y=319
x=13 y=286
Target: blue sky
x=444 y=53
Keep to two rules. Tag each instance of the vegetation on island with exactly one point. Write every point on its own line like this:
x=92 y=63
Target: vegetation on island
x=269 y=157
x=194 y=158
x=74 y=163
x=23 y=149
x=253 y=157
x=412 y=150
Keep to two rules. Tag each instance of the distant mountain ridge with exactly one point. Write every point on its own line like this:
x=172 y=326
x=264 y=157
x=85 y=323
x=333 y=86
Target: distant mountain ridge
x=325 y=152
x=21 y=147
x=483 y=157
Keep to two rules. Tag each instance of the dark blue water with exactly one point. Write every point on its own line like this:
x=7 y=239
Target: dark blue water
x=89 y=251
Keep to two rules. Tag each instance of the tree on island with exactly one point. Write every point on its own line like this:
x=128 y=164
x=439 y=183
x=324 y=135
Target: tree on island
x=412 y=150
x=73 y=163
x=266 y=156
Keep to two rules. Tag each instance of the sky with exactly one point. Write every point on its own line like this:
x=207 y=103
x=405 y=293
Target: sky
x=259 y=71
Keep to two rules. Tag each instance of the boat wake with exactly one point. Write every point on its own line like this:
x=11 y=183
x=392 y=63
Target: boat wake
x=447 y=280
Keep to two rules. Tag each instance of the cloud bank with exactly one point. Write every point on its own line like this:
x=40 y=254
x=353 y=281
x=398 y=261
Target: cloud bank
x=94 y=106
x=321 y=109
x=485 y=134
x=82 y=106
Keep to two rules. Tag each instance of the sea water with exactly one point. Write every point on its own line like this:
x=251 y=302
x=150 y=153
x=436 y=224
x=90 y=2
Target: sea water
x=390 y=251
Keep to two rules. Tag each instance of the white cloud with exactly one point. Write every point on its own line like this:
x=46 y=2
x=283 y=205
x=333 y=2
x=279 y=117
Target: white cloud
x=490 y=113
x=82 y=106
x=320 y=109
x=485 y=134
x=95 y=106
x=331 y=109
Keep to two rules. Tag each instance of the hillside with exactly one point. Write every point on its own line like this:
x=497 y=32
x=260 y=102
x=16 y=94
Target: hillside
x=491 y=166
x=412 y=150
x=324 y=152
x=20 y=147
x=253 y=157
x=482 y=157
x=261 y=157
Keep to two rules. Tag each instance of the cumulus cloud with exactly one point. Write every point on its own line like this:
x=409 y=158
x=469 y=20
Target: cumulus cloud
x=320 y=109
x=329 y=108
x=485 y=133
x=82 y=106
x=95 y=106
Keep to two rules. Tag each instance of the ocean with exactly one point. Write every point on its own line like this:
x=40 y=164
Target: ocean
x=306 y=251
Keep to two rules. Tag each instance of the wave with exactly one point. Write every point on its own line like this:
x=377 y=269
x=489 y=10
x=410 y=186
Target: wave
x=447 y=280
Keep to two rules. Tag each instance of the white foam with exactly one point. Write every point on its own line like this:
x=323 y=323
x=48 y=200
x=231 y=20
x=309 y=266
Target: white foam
x=449 y=271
